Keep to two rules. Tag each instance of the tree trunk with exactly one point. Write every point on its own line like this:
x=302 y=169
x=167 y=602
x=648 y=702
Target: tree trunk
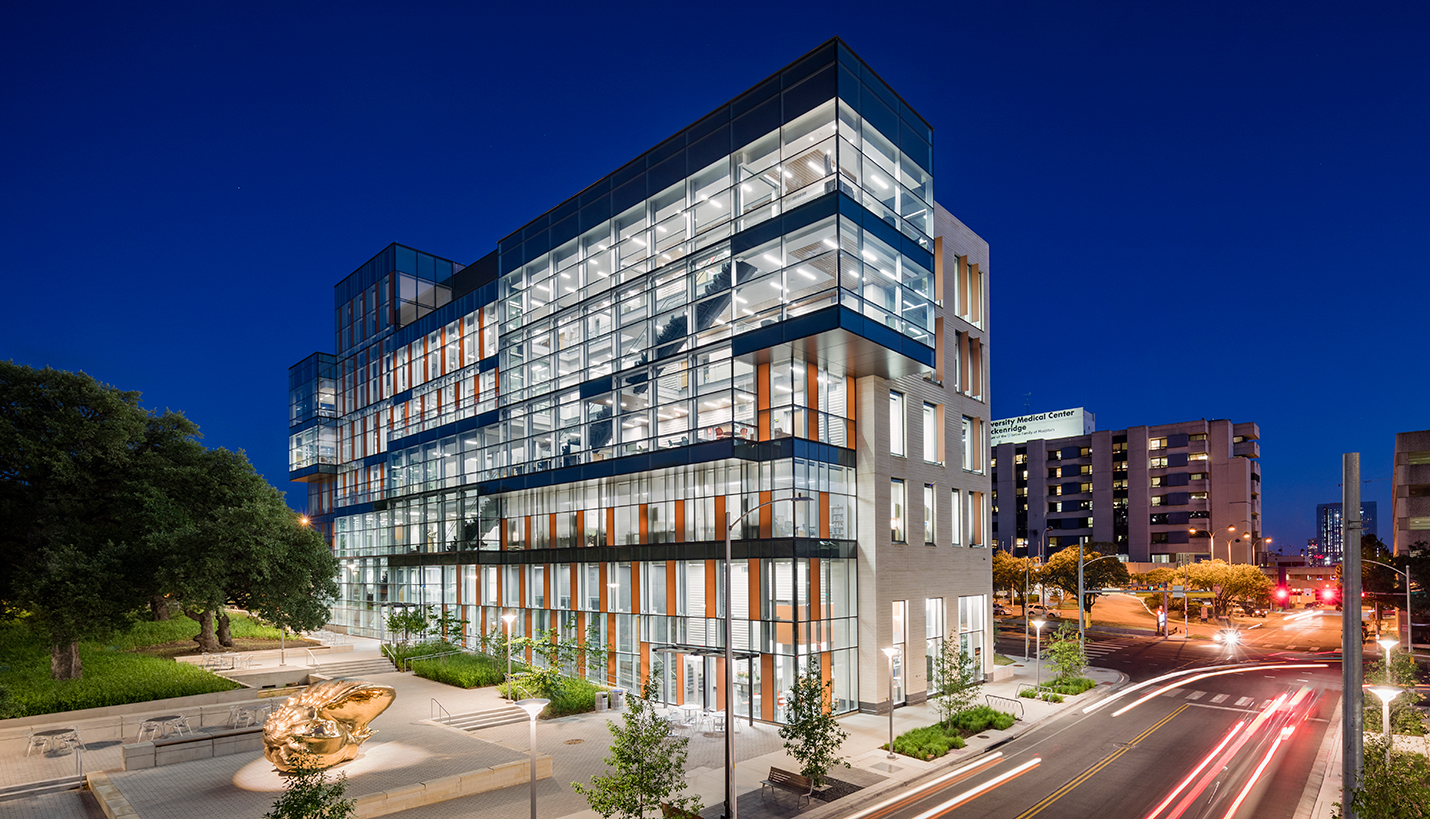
x=159 y=607
x=225 y=637
x=64 y=662
x=205 y=638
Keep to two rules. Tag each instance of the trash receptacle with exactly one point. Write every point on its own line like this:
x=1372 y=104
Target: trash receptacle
x=600 y=701
x=618 y=698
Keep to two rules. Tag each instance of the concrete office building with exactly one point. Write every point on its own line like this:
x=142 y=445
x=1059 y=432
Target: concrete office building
x=767 y=305
x=1142 y=488
x=1411 y=492
x=1328 y=530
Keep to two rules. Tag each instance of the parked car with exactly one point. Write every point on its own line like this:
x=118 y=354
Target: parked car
x=1042 y=611
x=1000 y=610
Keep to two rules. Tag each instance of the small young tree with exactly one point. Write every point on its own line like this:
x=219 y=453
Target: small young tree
x=1066 y=653
x=813 y=736
x=410 y=622
x=646 y=764
x=451 y=625
x=308 y=794
x=1399 y=791
x=956 y=680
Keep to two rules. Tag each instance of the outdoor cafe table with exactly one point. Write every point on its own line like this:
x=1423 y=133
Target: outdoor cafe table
x=53 y=736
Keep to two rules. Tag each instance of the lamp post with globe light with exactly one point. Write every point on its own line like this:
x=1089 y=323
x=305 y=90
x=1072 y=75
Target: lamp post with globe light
x=532 y=706
x=890 y=652
x=509 y=618
x=1038 y=624
x=1386 y=694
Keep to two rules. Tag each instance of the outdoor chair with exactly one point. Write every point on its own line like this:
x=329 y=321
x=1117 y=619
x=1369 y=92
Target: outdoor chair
x=36 y=742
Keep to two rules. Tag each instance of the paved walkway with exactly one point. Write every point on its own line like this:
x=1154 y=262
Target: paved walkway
x=410 y=747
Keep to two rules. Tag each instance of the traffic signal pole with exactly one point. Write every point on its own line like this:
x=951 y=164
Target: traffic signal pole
x=1352 y=712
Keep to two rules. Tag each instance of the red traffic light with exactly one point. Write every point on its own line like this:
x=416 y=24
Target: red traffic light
x=1328 y=595
x=1281 y=594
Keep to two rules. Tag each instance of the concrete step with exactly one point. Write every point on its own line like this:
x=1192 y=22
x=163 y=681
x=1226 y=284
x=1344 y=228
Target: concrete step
x=491 y=718
x=356 y=668
x=68 y=783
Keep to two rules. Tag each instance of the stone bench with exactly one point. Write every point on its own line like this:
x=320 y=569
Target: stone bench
x=160 y=752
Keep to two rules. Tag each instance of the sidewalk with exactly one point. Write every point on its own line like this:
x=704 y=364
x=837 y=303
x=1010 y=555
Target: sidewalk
x=410 y=747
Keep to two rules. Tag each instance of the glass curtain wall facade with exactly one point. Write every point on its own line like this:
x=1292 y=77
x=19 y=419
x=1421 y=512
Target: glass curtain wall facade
x=561 y=428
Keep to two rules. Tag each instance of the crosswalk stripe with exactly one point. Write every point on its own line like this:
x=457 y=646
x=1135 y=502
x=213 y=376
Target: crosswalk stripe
x=1196 y=695
x=1175 y=692
x=1264 y=704
x=1244 y=701
x=1220 y=698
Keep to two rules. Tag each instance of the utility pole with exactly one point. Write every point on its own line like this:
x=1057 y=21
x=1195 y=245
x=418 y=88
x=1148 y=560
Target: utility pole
x=1352 y=715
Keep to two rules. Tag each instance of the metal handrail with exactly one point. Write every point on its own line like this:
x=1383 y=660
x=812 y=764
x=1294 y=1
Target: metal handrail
x=1004 y=702
x=435 y=707
x=312 y=657
x=407 y=663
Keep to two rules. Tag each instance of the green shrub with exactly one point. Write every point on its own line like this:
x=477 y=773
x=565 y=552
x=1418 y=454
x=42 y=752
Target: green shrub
x=1071 y=686
x=979 y=718
x=575 y=697
x=398 y=653
x=113 y=673
x=928 y=742
x=1050 y=697
x=462 y=670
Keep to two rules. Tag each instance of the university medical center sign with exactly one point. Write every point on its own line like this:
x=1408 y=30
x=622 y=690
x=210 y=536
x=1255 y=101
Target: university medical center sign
x=1056 y=424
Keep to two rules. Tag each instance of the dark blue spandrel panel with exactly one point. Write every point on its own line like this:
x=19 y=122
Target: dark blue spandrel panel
x=755 y=97
x=818 y=89
x=711 y=148
x=596 y=212
x=880 y=115
x=759 y=121
x=407 y=260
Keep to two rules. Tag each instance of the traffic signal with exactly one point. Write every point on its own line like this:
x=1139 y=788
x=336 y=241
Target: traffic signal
x=1328 y=595
x=1281 y=594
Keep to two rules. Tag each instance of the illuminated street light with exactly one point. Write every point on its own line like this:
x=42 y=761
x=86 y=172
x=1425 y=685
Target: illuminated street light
x=532 y=707
x=1386 y=694
x=1037 y=624
x=508 y=618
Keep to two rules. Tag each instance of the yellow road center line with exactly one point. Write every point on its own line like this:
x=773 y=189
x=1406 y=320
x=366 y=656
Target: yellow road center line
x=1099 y=765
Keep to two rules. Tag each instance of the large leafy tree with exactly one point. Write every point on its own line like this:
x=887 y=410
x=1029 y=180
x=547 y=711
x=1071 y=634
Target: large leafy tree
x=1061 y=571
x=1230 y=582
x=78 y=500
x=1008 y=571
x=107 y=506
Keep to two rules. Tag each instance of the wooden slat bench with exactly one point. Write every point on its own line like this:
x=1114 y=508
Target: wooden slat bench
x=801 y=786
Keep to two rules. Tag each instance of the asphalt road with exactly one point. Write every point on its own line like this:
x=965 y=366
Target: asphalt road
x=1233 y=749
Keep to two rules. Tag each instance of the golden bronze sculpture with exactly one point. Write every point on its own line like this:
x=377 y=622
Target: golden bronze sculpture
x=328 y=721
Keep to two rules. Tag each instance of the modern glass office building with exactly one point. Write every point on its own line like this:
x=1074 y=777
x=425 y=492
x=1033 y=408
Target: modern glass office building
x=769 y=304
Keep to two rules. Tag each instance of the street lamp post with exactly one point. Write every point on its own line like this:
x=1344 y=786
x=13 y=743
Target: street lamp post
x=1081 y=593
x=1409 y=643
x=730 y=806
x=532 y=706
x=509 y=618
x=890 y=652
x=1386 y=694
x=1386 y=644
x=1038 y=624
x=1211 y=536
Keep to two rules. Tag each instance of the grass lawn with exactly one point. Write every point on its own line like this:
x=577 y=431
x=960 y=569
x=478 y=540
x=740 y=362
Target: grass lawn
x=135 y=665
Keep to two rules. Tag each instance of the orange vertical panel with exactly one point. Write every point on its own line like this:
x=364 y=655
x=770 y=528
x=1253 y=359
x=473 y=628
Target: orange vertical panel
x=938 y=267
x=766 y=519
x=644 y=525
x=756 y=604
x=720 y=680
x=713 y=578
x=635 y=586
x=610 y=655
x=551 y=530
x=762 y=386
x=580 y=533
x=610 y=526
x=824 y=514
x=643 y=672
x=764 y=425
x=501 y=530
x=679 y=678
x=826 y=672
x=671 y=597
x=811 y=390
x=720 y=514
x=679 y=520
x=522 y=596
x=546 y=588
x=850 y=410
x=526 y=541
x=767 y=692
x=815 y=609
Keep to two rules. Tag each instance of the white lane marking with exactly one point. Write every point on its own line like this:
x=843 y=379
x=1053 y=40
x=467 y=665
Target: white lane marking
x=1173 y=692
x=1244 y=701
x=1196 y=695
x=1220 y=698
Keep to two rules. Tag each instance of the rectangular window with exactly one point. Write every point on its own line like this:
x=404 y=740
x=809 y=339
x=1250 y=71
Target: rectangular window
x=933 y=634
x=928 y=513
x=896 y=509
x=896 y=423
x=954 y=521
x=931 y=448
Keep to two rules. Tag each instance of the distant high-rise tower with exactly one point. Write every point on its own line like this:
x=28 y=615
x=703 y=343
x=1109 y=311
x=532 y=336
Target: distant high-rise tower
x=1328 y=529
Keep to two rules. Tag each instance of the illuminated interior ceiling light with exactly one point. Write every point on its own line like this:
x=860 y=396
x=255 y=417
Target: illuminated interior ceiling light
x=887 y=273
x=565 y=275
x=740 y=299
x=813 y=167
x=786 y=173
x=830 y=243
x=637 y=241
x=748 y=311
x=771 y=258
x=746 y=188
x=868 y=254
x=777 y=285
x=878 y=180
x=804 y=271
x=715 y=203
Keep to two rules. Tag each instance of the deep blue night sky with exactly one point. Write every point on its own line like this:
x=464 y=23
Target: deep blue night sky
x=1195 y=210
